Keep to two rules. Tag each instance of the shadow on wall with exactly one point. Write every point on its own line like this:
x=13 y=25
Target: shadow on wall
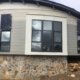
x=73 y=59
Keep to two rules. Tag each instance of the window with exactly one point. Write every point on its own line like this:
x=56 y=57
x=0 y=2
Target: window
x=4 y=0
x=46 y=36
x=5 y=31
x=78 y=35
x=17 y=0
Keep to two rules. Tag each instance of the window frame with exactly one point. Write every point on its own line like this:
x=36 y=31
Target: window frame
x=28 y=38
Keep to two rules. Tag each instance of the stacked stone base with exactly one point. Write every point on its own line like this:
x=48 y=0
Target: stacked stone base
x=24 y=67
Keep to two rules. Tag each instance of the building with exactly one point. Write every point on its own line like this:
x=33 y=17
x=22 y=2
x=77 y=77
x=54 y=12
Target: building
x=40 y=31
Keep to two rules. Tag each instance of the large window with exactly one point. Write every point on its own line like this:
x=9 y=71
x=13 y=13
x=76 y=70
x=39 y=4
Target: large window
x=46 y=36
x=5 y=31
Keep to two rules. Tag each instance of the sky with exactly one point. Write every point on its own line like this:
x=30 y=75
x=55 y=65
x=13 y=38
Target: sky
x=71 y=3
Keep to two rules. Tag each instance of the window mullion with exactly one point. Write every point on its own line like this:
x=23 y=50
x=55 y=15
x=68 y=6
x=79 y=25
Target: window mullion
x=42 y=36
x=52 y=36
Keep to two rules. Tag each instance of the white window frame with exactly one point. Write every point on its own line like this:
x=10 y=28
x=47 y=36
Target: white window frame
x=28 y=34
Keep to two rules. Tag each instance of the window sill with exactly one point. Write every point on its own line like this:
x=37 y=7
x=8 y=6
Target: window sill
x=47 y=53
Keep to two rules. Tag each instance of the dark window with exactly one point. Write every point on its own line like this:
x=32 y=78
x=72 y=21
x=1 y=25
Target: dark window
x=57 y=37
x=4 y=0
x=17 y=0
x=5 y=32
x=57 y=26
x=78 y=35
x=46 y=36
x=5 y=22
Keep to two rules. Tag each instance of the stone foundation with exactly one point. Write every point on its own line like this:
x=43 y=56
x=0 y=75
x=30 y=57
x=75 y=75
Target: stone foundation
x=23 y=67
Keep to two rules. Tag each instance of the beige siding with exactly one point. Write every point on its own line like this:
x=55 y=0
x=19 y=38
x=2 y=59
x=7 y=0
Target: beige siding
x=18 y=34
x=19 y=25
x=72 y=39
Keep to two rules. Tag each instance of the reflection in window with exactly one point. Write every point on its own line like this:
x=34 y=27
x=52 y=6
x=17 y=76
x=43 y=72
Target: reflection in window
x=46 y=36
x=47 y=25
x=5 y=36
x=36 y=25
x=36 y=36
x=36 y=46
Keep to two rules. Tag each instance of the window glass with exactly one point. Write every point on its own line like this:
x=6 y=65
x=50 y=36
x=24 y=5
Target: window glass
x=36 y=36
x=4 y=0
x=6 y=22
x=16 y=0
x=78 y=35
x=47 y=47
x=36 y=46
x=79 y=46
x=5 y=48
x=36 y=25
x=47 y=25
x=47 y=36
x=57 y=26
x=5 y=36
x=58 y=47
x=57 y=37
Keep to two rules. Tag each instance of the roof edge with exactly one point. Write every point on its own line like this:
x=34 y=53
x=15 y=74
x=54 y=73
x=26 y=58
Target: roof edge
x=49 y=4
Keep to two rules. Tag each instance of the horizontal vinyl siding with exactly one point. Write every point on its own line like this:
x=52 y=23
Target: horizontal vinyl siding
x=72 y=39
x=18 y=34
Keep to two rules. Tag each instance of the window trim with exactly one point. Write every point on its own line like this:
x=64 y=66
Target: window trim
x=28 y=37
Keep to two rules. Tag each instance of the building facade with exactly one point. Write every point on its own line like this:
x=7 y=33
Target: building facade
x=38 y=35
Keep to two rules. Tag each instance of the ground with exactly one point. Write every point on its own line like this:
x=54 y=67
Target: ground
x=72 y=74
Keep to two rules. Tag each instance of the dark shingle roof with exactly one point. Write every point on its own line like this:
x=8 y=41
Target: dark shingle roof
x=48 y=4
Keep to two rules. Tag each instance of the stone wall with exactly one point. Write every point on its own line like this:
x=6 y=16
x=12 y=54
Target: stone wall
x=25 y=67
